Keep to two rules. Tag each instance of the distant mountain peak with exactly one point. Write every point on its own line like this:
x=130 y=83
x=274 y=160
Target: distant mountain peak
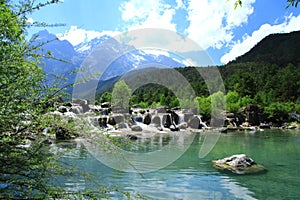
x=44 y=35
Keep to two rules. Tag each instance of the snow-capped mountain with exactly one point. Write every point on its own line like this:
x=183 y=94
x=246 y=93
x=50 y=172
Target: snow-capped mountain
x=129 y=58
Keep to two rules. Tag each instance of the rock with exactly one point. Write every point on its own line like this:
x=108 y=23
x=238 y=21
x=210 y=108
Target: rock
x=62 y=133
x=156 y=121
x=167 y=121
x=138 y=119
x=187 y=116
x=194 y=122
x=122 y=126
x=161 y=110
x=67 y=104
x=264 y=126
x=76 y=109
x=83 y=103
x=183 y=125
x=174 y=128
x=131 y=137
x=119 y=118
x=147 y=119
x=105 y=105
x=105 y=111
x=102 y=122
x=175 y=117
x=136 y=128
x=62 y=109
x=254 y=115
x=238 y=164
x=111 y=121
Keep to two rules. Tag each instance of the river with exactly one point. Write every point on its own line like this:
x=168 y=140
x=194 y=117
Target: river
x=191 y=177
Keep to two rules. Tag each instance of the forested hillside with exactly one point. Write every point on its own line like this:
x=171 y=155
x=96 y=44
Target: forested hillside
x=267 y=76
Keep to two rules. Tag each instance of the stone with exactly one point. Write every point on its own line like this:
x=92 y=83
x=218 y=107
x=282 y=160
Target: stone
x=156 y=121
x=147 y=119
x=111 y=121
x=62 y=109
x=119 y=118
x=175 y=117
x=239 y=164
x=187 y=116
x=161 y=110
x=167 y=121
x=83 y=103
x=105 y=105
x=194 y=122
x=131 y=137
x=174 y=128
x=102 y=122
x=183 y=125
x=136 y=128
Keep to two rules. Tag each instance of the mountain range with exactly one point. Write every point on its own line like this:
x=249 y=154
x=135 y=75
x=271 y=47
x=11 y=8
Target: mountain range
x=74 y=56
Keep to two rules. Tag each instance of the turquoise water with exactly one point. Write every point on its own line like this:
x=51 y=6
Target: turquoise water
x=190 y=177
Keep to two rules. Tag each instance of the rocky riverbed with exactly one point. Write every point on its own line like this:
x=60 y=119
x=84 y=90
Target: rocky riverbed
x=138 y=121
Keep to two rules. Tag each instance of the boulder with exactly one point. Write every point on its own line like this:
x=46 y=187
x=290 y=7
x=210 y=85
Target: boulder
x=174 y=128
x=147 y=119
x=175 y=117
x=62 y=109
x=83 y=103
x=119 y=118
x=167 y=121
x=131 y=137
x=111 y=121
x=187 y=116
x=102 y=122
x=239 y=164
x=105 y=105
x=136 y=128
x=156 y=121
x=161 y=110
x=183 y=125
x=254 y=115
x=195 y=122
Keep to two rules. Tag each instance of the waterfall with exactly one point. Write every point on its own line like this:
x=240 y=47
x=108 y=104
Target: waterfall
x=201 y=122
x=181 y=118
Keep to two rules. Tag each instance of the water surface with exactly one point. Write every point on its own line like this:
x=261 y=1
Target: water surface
x=190 y=177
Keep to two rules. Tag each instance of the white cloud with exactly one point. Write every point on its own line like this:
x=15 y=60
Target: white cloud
x=212 y=22
x=77 y=35
x=147 y=14
x=292 y=23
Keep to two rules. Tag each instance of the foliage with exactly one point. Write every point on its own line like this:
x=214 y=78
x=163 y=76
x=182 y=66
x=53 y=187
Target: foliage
x=105 y=97
x=204 y=106
x=27 y=165
x=121 y=94
x=278 y=112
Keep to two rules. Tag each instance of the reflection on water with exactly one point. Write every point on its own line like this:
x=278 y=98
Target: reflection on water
x=192 y=178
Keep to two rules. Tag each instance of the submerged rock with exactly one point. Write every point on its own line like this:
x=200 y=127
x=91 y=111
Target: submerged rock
x=239 y=164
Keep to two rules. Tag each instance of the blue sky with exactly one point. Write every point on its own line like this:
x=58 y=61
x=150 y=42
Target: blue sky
x=214 y=25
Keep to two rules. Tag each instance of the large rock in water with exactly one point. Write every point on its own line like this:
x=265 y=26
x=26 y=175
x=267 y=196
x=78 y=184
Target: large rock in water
x=239 y=164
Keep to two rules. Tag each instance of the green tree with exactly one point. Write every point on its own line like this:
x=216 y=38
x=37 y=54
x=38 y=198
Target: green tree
x=121 y=95
x=232 y=101
x=105 y=97
x=24 y=101
x=204 y=106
